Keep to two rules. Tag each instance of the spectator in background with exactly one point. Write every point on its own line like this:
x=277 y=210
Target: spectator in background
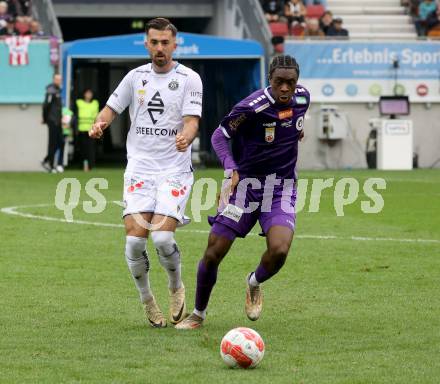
x=22 y=24
x=426 y=8
x=433 y=19
x=316 y=2
x=20 y=7
x=272 y=10
x=326 y=21
x=295 y=12
x=9 y=29
x=87 y=110
x=412 y=6
x=52 y=108
x=336 y=30
x=313 y=30
x=35 y=29
x=4 y=13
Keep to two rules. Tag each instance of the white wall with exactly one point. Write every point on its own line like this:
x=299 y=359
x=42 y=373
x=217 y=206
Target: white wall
x=23 y=139
x=350 y=153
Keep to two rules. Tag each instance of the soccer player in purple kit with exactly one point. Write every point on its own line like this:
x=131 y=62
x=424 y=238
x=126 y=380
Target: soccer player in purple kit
x=265 y=129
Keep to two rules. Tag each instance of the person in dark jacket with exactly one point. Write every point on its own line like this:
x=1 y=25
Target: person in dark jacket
x=52 y=108
x=336 y=30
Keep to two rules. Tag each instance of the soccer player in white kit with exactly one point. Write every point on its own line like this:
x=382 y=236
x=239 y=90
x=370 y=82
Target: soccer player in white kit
x=165 y=104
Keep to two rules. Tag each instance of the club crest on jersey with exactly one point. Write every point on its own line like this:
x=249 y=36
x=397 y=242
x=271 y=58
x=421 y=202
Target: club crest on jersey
x=269 y=135
x=173 y=85
x=300 y=123
x=287 y=113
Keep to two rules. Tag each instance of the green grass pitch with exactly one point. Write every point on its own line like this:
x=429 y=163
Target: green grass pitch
x=358 y=300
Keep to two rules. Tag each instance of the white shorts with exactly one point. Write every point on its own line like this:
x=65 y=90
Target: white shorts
x=165 y=195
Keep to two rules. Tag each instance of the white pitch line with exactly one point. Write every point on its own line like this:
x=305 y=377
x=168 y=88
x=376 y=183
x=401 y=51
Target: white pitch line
x=13 y=211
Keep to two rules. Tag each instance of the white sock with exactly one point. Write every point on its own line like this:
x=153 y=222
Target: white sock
x=139 y=265
x=253 y=281
x=201 y=314
x=169 y=256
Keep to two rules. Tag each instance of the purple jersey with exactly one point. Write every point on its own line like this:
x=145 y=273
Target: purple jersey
x=265 y=134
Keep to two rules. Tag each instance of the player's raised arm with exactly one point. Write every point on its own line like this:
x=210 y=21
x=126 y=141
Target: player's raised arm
x=188 y=134
x=103 y=120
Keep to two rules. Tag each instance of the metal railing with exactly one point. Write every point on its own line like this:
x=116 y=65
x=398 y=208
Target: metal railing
x=43 y=11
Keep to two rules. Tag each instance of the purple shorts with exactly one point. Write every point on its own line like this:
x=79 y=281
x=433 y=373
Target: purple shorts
x=248 y=204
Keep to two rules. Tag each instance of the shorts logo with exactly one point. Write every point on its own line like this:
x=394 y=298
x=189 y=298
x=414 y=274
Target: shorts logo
x=173 y=85
x=269 y=134
x=133 y=187
x=176 y=192
x=285 y=114
x=234 y=124
x=300 y=123
x=292 y=224
x=232 y=212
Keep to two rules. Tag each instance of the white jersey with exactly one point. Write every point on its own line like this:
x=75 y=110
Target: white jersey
x=157 y=103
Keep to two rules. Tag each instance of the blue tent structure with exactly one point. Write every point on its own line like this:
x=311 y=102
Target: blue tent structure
x=190 y=47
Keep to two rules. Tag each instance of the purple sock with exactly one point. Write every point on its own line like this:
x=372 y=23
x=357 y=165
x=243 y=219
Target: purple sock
x=261 y=275
x=206 y=278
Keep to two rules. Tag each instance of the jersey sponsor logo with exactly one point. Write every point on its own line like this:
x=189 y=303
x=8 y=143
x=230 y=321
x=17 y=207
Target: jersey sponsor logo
x=301 y=100
x=257 y=100
x=300 y=123
x=262 y=108
x=232 y=212
x=148 y=131
x=269 y=134
x=287 y=123
x=173 y=85
x=235 y=123
x=141 y=96
x=155 y=107
x=287 y=113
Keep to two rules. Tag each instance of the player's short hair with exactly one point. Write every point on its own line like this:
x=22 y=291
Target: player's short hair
x=161 y=24
x=283 y=61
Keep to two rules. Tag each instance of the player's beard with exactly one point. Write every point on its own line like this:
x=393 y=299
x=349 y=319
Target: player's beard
x=160 y=61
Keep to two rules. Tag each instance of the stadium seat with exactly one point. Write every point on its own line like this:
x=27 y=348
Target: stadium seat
x=434 y=33
x=279 y=29
x=315 y=11
x=297 y=31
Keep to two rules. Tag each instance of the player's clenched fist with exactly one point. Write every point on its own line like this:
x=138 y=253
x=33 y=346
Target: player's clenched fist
x=97 y=129
x=181 y=143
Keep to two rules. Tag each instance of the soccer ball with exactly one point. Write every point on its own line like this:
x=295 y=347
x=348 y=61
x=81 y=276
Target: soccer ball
x=242 y=347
